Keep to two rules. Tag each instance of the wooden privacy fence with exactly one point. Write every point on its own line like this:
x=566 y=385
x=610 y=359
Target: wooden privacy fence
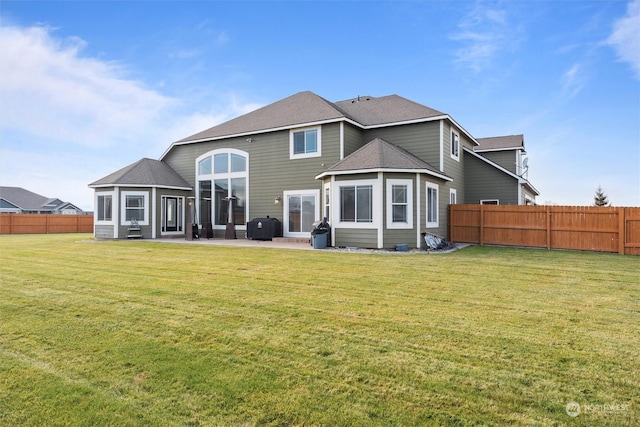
x=588 y=228
x=11 y=223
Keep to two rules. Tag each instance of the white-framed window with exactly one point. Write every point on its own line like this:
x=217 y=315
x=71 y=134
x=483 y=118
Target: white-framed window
x=455 y=145
x=453 y=197
x=432 y=205
x=327 y=201
x=134 y=206
x=489 y=202
x=399 y=203
x=223 y=188
x=356 y=203
x=304 y=143
x=104 y=208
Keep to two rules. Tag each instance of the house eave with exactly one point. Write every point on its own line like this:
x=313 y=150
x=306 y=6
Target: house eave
x=531 y=188
x=520 y=179
x=387 y=170
x=322 y=122
x=12 y=203
x=166 y=187
x=488 y=150
x=256 y=132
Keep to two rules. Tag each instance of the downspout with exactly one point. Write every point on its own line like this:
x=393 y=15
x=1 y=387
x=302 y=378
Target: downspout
x=153 y=212
x=441 y=145
x=341 y=140
x=332 y=206
x=418 y=212
x=116 y=205
x=381 y=210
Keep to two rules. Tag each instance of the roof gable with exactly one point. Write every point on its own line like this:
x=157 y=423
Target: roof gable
x=23 y=199
x=381 y=155
x=144 y=173
x=298 y=109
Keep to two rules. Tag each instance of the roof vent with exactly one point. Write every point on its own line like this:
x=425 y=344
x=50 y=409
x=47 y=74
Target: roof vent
x=366 y=98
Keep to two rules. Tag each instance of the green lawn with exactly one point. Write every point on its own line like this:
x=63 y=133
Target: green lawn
x=142 y=333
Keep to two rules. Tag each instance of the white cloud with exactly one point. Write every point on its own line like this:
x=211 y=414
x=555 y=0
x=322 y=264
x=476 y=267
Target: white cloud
x=69 y=119
x=53 y=92
x=625 y=38
x=573 y=80
x=484 y=33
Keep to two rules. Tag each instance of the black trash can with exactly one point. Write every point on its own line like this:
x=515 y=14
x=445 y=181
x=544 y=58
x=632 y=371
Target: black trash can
x=321 y=235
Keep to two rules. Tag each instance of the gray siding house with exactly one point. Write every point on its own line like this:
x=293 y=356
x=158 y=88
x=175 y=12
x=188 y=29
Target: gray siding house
x=497 y=172
x=382 y=170
x=19 y=200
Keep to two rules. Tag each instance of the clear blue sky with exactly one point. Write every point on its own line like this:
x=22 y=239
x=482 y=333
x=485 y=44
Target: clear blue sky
x=89 y=87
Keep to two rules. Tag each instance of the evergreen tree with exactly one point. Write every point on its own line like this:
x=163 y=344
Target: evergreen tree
x=600 y=199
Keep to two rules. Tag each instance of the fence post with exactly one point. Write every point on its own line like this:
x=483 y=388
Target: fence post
x=11 y=223
x=450 y=220
x=622 y=235
x=548 y=211
x=481 y=225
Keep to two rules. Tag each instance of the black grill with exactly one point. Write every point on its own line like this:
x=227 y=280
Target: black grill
x=264 y=228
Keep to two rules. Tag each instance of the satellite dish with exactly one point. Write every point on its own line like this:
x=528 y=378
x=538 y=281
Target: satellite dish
x=525 y=166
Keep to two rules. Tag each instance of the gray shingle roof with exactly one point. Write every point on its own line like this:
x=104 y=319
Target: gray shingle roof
x=303 y=107
x=371 y=111
x=307 y=107
x=24 y=199
x=29 y=201
x=144 y=173
x=382 y=155
x=508 y=142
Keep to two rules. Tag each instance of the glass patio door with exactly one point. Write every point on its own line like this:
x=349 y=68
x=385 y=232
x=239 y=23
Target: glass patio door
x=301 y=211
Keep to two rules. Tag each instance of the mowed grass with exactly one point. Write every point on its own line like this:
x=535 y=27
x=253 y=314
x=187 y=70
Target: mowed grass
x=145 y=333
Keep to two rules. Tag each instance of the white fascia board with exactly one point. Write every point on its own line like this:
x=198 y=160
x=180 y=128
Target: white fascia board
x=425 y=120
x=378 y=170
x=501 y=169
x=12 y=204
x=166 y=187
x=487 y=150
x=256 y=132
x=495 y=165
x=531 y=187
x=463 y=130
x=406 y=122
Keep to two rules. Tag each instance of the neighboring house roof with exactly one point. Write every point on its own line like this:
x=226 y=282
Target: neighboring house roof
x=520 y=179
x=498 y=143
x=28 y=201
x=380 y=155
x=307 y=109
x=144 y=173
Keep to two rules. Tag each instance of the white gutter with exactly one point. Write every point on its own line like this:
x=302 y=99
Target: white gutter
x=378 y=170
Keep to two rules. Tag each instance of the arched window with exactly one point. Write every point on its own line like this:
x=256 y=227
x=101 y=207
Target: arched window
x=223 y=187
